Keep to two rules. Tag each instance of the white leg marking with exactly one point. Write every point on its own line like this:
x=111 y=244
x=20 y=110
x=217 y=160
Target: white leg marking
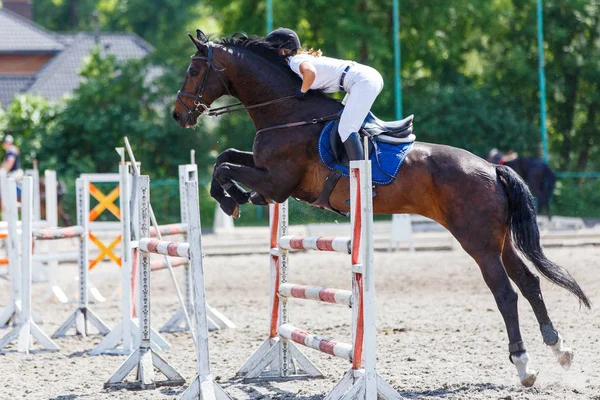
x=527 y=376
x=563 y=354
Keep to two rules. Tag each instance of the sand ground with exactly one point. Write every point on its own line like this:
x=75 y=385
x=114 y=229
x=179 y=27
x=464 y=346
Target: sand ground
x=440 y=335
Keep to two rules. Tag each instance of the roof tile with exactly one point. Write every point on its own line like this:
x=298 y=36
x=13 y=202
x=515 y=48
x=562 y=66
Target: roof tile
x=18 y=35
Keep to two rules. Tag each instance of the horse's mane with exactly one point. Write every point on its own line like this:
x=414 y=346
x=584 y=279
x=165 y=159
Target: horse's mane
x=266 y=50
x=257 y=45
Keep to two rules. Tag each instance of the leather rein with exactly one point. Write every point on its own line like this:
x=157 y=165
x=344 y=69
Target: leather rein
x=200 y=105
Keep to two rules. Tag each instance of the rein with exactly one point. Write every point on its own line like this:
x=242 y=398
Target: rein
x=200 y=103
x=293 y=124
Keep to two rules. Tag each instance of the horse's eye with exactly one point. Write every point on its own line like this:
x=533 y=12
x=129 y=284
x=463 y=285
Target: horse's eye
x=193 y=72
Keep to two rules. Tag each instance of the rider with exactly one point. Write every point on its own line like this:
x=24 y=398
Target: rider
x=11 y=158
x=361 y=83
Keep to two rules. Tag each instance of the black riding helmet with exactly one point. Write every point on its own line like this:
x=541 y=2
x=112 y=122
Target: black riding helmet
x=284 y=38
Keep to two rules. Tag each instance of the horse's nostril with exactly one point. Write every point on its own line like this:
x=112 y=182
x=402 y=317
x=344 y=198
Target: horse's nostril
x=175 y=115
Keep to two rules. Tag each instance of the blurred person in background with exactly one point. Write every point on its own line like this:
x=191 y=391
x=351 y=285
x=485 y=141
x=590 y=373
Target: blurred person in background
x=11 y=164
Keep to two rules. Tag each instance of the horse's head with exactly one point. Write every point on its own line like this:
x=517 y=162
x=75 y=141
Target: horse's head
x=204 y=82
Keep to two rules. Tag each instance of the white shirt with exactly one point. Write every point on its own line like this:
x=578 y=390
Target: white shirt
x=329 y=71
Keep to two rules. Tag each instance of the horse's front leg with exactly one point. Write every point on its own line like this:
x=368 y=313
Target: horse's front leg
x=257 y=179
x=227 y=192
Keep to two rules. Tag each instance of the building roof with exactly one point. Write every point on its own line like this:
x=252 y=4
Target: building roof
x=20 y=35
x=12 y=85
x=60 y=75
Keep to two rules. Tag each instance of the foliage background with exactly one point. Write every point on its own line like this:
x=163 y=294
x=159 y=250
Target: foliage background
x=469 y=72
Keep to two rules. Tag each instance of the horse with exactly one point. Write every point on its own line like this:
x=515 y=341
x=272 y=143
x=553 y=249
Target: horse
x=537 y=174
x=487 y=208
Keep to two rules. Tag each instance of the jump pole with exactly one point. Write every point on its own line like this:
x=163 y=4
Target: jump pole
x=278 y=359
x=272 y=359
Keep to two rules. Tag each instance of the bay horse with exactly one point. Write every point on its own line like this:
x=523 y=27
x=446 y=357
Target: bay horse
x=487 y=208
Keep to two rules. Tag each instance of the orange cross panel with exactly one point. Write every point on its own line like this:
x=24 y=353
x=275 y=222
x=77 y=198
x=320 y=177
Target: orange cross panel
x=3 y=261
x=105 y=251
x=105 y=202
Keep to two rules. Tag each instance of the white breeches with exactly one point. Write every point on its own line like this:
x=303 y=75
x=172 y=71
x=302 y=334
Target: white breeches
x=363 y=84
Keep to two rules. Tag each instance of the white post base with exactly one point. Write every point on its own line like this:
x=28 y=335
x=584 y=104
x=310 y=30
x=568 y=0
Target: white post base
x=267 y=362
x=9 y=314
x=56 y=294
x=79 y=320
x=94 y=294
x=24 y=332
x=353 y=386
x=112 y=343
x=204 y=389
x=216 y=321
x=145 y=360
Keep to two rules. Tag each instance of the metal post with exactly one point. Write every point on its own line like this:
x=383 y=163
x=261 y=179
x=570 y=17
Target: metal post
x=397 y=65
x=542 y=80
x=269 y=6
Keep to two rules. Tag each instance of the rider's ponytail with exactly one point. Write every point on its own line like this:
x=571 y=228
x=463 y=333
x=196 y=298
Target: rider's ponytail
x=311 y=51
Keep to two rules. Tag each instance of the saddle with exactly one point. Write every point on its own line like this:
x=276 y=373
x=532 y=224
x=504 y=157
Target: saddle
x=378 y=131
x=393 y=132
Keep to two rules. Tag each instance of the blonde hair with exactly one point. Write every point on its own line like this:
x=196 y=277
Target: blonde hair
x=311 y=51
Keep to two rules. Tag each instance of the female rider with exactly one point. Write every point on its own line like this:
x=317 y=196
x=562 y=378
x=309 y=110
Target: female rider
x=361 y=83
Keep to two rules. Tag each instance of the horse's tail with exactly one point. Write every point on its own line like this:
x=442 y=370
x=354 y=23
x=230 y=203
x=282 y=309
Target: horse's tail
x=549 y=181
x=525 y=233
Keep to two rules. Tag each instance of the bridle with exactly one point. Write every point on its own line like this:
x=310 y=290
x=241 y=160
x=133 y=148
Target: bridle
x=200 y=104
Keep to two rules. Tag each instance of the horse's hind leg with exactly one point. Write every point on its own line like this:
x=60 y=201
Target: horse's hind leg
x=506 y=299
x=483 y=241
x=529 y=285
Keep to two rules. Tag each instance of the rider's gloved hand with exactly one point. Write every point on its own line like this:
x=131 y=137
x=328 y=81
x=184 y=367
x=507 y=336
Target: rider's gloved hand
x=300 y=94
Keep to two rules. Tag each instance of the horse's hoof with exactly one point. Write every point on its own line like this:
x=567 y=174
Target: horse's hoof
x=230 y=206
x=236 y=212
x=529 y=380
x=566 y=359
x=258 y=199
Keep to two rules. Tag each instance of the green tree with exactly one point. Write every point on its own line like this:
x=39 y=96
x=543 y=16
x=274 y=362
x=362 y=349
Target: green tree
x=116 y=100
x=29 y=119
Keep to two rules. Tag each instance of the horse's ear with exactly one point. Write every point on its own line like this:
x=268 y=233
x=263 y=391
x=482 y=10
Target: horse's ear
x=201 y=36
x=196 y=42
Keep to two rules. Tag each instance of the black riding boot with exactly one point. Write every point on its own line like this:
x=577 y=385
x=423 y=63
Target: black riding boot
x=354 y=147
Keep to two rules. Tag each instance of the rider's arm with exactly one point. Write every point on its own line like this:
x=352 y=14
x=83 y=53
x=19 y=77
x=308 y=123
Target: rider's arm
x=309 y=74
x=8 y=163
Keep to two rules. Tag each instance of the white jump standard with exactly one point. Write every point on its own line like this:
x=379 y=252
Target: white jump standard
x=278 y=357
x=178 y=322
x=10 y=212
x=80 y=318
x=26 y=326
x=203 y=387
x=145 y=358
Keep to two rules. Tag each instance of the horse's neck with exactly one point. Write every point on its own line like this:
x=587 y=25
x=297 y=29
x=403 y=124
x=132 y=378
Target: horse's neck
x=256 y=80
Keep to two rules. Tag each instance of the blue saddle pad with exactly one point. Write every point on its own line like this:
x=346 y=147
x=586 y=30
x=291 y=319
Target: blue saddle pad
x=386 y=159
